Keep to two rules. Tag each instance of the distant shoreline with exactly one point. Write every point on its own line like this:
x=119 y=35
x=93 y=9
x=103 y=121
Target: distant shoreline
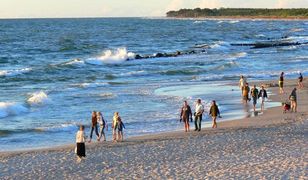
x=241 y=18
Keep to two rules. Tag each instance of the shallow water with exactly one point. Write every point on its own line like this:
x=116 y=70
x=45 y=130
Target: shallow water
x=54 y=72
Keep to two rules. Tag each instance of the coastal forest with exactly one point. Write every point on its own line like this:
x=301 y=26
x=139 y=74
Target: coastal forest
x=240 y=12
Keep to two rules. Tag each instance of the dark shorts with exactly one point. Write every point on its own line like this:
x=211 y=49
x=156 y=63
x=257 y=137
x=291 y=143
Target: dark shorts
x=281 y=84
x=81 y=150
x=254 y=100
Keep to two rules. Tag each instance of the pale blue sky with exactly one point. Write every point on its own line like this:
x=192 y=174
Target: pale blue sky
x=125 y=8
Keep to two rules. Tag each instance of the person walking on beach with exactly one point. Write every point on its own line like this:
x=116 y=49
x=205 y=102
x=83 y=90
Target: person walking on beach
x=254 y=94
x=120 y=126
x=102 y=125
x=198 y=115
x=80 y=144
x=186 y=114
x=94 y=126
x=245 y=94
x=281 y=79
x=262 y=94
x=300 y=81
x=214 y=112
x=293 y=99
x=242 y=83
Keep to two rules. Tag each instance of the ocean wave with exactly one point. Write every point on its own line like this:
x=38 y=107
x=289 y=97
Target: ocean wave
x=228 y=21
x=117 y=56
x=238 y=55
x=59 y=127
x=108 y=95
x=10 y=73
x=12 y=109
x=90 y=85
x=221 y=45
x=198 y=22
x=38 y=98
x=75 y=62
x=188 y=71
x=7 y=132
x=227 y=65
x=132 y=73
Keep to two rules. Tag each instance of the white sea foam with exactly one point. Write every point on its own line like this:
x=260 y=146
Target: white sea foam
x=220 y=45
x=59 y=127
x=91 y=85
x=14 y=72
x=198 y=22
x=131 y=73
x=38 y=98
x=238 y=55
x=76 y=62
x=112 y=57
x=11 y=108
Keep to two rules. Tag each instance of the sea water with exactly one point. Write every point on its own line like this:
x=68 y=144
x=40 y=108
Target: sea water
x=54 y=72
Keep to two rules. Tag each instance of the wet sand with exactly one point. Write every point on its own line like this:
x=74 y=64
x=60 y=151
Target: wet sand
x=273 y=145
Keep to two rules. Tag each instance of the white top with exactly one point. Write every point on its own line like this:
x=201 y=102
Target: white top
x=199 y=108
x=80 y=137
x=100 y=120
x=242 y=82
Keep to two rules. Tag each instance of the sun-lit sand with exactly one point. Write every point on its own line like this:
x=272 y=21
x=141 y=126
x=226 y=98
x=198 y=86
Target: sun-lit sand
x=269 y=146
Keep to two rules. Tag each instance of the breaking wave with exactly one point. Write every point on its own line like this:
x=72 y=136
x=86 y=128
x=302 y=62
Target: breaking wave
x=117 y=56
x=10 y=73
x=38 y=99
x=12 y=109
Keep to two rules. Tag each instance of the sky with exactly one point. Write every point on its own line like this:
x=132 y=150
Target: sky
x=125 y=8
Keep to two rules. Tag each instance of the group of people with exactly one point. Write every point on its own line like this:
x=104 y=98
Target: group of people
x=186 y=114
x=97 y=118
x=252 y=93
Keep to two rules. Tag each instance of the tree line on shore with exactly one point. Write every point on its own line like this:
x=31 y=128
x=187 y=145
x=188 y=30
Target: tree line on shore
x=249 y=12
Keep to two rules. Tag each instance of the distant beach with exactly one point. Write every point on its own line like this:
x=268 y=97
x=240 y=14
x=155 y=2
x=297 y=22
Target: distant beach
x=272 y=145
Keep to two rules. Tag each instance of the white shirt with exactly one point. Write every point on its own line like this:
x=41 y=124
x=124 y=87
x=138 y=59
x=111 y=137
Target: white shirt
x=199 y=108
x=80 y=137
x=242 y=82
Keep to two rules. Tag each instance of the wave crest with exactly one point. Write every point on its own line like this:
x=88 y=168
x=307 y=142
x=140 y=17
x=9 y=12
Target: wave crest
x=10 y=73
x=112 y=57
x=11 y=108
x=38 y=98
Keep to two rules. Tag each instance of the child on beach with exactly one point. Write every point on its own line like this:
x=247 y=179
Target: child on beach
x=120 y=125
x=185 y=114
x=262 y=95
x=254 y=94
x=80 y=144
x=102 y=125
x=214 y=112
x=281 y=79
x=94 y=126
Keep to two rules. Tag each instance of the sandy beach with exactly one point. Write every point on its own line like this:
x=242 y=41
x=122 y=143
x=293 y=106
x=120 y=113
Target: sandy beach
x=269 y=146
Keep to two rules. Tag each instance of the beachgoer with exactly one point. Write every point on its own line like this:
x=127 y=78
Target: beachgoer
x=300 y=81
x=94 y=126
x=281 y=79
x=242 y=83
x=198 y=115
x=102 y=125
x=120 y=125
x=293 y=99
x=114 y=126
x=262 y=95
x=254 y=94
x=186 y=114
x=214 y=112
x=80 y=144
x=246 y=90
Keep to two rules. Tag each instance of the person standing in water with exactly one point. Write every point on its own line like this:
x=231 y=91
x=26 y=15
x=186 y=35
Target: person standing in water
x=80 y=144
x=281 y=79
x=300 y=81
x=198 y=115
x=186 y=114
x=254 y=94
x=242 y=83
x=102 y=125
x=245 y=94
x=262 y=95
x=293 y=99
x=214 y=112
x=94 y=126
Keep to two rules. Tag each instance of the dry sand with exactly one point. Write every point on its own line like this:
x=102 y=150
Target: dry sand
x=271 y=146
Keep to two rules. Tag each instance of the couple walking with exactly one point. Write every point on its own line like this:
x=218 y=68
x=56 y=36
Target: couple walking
x=186 y=114
x=97 y=118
